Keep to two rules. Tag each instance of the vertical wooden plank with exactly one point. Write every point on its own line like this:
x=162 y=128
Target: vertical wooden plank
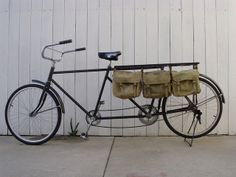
x=164 y=46
x=46 y=39
x=24 y=55
x=69 y=63
x=211 y=41
x=116 y=45
x=4 y=32
x=223 y=58
x=46 y=35
x=81 y=62
x=35 y=50
x=152 y=48
x=92 y=57
x=199 y=50
x=232 y=65
x=13 y=50
x=199 y=34
x=175 y=42
x=176 y=31
x=164 y=31
x=57 y=35
x=187 y=45
x=140 y=51
x=24 y=46
x=211 y=46
x=187 y=30
x=176 y=47
x=104 y=45
x=128 y=56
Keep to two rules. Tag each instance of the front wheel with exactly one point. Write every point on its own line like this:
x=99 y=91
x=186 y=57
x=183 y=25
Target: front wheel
x=187 y=123
x=32 y=129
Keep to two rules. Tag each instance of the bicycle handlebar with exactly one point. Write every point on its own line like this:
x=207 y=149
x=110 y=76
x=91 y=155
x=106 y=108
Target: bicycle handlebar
x=65 y=41
x=62 y=53
x=80 y=49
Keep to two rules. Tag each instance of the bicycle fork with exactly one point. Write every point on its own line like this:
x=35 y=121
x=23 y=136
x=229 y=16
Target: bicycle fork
x=40 y=104
x=44 y=93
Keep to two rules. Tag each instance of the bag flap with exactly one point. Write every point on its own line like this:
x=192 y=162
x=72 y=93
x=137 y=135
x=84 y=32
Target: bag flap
x=192 y=74
x=126 y=77
x=156 y=77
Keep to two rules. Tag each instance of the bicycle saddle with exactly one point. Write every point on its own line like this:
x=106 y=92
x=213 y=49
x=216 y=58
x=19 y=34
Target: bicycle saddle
x=109 y=55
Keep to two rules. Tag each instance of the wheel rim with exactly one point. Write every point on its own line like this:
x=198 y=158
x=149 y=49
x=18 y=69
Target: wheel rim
x=182 y=123
x=35 y=129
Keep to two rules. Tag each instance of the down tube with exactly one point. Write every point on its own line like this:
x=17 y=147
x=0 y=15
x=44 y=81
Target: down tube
x=71 y=98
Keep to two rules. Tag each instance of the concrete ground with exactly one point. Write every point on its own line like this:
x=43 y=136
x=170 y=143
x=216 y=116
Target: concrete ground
x=119 y=157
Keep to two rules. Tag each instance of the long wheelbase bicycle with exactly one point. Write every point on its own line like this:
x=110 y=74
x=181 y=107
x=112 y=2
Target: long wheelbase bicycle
x=33 y=112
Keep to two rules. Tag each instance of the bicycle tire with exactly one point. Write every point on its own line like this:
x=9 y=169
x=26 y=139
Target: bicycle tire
x=32 y=135
x=182 y=128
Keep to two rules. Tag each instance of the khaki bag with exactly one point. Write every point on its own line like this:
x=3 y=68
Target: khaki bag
x=185 y=82
x=156 y=84
x=126 y=84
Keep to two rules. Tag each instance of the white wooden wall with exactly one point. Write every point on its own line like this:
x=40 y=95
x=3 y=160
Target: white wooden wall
x=146 y=31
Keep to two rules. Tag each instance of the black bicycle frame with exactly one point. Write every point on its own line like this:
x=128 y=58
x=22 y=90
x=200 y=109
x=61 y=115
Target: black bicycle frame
x=106 y=77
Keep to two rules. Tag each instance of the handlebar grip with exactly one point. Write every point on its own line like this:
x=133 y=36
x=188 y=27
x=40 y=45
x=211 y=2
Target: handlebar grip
x=65 y=41
x=80 y=49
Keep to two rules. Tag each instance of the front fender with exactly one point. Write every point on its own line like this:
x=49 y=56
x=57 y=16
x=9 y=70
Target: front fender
x=54 y=92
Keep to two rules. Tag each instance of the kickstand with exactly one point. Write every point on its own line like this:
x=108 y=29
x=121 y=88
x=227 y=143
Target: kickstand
x=85 y=135
x=190 y=141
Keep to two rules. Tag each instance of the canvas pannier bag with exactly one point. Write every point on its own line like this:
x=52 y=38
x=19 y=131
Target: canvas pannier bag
x=185 y=82
x=156 y=84
x=126 y=84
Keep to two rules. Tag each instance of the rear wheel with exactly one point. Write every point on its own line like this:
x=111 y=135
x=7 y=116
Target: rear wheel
x=32 y=129
x=206 y=115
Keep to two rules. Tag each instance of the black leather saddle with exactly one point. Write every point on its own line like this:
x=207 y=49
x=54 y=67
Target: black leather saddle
x=109 y=55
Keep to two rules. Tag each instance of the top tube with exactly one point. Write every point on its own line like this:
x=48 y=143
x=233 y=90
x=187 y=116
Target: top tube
x=130 y=67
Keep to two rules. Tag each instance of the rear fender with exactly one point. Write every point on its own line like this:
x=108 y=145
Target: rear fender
x=216 y=85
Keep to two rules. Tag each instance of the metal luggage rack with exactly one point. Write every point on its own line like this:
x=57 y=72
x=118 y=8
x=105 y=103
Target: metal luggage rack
x=188 y=116
x=155 y=66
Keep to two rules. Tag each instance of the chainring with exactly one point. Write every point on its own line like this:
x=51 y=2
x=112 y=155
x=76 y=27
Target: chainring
x=93 y=119
x=148 y=119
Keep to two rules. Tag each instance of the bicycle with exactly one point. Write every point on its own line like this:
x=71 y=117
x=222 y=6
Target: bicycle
x=33 y=112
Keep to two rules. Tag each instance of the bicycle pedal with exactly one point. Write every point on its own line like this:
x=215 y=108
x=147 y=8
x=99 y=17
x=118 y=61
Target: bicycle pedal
x=84 y=136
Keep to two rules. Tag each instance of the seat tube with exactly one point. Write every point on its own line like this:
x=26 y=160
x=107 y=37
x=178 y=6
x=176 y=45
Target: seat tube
x=102 y=89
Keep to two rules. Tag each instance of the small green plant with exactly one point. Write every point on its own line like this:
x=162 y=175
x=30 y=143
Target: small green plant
x=74 y=130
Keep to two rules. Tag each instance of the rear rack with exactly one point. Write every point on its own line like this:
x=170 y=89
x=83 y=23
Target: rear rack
x=153 y=66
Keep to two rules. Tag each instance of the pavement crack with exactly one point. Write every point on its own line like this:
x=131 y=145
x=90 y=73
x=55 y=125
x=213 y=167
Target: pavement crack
x=108 y=158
